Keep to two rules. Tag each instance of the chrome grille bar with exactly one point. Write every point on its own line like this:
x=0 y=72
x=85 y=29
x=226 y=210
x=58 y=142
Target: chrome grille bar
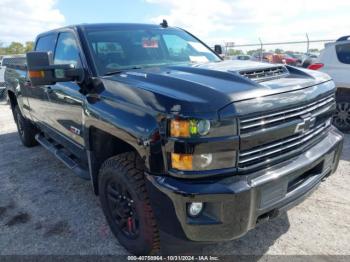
x=270 y=152
x=281 y=146
x=321 y=105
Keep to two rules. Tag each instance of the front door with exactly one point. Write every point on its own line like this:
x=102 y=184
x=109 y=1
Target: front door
x=66 y=102
x=37 y=96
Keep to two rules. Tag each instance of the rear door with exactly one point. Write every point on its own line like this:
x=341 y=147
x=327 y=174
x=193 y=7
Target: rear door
x=336 y=60
x=342 y=67
x=66 y=102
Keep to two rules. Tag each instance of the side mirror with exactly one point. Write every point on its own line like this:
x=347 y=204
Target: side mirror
x=42 y=71
x=218 y=49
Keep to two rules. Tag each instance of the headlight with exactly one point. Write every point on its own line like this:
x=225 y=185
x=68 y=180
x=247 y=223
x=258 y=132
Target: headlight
x=203 y=127
x=202 y=145
x=187 y=128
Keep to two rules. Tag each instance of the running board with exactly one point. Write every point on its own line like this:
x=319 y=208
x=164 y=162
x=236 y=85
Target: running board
x=58 y=152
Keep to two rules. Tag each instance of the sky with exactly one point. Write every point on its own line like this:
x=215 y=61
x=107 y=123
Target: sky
x=214 y=21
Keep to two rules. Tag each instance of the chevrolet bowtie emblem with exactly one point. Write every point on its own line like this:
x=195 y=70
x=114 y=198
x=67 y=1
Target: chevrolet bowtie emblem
x=308 y=122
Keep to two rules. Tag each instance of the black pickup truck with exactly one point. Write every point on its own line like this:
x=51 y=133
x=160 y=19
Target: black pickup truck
x=176 y=142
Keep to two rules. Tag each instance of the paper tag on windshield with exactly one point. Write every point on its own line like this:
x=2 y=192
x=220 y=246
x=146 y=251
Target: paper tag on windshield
x=199 y=59
x=198 y=47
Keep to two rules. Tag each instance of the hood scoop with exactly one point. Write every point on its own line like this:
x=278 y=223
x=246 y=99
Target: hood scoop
x=265 y=74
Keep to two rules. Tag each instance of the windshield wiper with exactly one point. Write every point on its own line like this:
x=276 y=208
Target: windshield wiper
x=122 y=70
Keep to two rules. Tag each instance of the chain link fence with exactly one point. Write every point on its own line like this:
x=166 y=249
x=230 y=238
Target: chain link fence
x=258 y=48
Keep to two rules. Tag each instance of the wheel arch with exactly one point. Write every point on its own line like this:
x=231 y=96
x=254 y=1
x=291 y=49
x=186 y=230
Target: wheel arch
x=12 y=98
x=341 y=91
x=103 y=144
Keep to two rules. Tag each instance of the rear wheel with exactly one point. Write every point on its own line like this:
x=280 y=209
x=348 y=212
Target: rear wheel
x=26 y=129
x=126 y=205
x=342 y=115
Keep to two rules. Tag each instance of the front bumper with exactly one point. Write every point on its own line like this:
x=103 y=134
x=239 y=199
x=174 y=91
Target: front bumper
x=234 y=205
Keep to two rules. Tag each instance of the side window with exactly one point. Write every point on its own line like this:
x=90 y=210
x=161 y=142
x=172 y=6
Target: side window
x=46 y=43
x=67 y=50
x=343 y=53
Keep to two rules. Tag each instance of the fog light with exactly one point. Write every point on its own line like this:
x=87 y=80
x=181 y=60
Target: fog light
x=194 y=209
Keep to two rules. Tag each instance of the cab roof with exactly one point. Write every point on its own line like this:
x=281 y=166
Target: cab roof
x=84 y=27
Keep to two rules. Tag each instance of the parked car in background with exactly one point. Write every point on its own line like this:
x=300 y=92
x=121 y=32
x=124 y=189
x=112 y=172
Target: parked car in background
x=312 y=55
x=298 y=56
x=308 y=59
x=2 y=81
x=262 y=57
x=284 y=59
x=335 y=61
x=241 y=57
x=13 y=60
x=16 y=60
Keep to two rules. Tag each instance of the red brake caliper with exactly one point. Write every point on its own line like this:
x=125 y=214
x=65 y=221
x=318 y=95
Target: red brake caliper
x=130 y=224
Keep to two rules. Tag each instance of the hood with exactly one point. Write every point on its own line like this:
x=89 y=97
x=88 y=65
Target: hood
x=211 y=86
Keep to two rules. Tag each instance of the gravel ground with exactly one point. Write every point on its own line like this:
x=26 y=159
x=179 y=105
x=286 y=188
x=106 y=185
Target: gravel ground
x=46 y=210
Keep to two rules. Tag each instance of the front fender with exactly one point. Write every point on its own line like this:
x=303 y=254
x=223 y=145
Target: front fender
x=135 y=125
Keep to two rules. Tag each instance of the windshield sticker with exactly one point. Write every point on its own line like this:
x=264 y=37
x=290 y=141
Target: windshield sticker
x=199 y=59
x=149 y=43
x=198 y=47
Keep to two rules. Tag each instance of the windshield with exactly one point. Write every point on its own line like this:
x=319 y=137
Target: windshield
x=118 y=49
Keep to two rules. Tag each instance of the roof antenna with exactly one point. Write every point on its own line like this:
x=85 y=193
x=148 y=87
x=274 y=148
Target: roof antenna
x=164 y=24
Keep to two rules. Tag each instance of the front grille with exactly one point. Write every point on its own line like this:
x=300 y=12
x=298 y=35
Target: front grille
x=315 y=109
x=265 y=74
x=278 y=150
x=2 y=84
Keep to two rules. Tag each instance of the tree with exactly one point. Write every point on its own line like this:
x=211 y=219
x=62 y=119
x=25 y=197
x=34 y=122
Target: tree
x=279 y=51
x=251 y=52
x=29 y=46
x=2 y=49
x=15 y=48
x=235 y=52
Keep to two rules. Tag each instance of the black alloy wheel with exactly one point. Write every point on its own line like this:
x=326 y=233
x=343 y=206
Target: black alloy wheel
x=126 y=204
x=123 y=209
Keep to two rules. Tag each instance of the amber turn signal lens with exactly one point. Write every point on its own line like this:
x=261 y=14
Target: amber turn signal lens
x=182 y=161
x=36 y=74
x=179 y=128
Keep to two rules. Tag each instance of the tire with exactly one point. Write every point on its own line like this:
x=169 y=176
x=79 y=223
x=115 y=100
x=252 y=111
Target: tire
x=341 y=117
x=126 y=204
x=26 y=130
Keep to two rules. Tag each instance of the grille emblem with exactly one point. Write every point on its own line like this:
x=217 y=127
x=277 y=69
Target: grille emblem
x=308 y=122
